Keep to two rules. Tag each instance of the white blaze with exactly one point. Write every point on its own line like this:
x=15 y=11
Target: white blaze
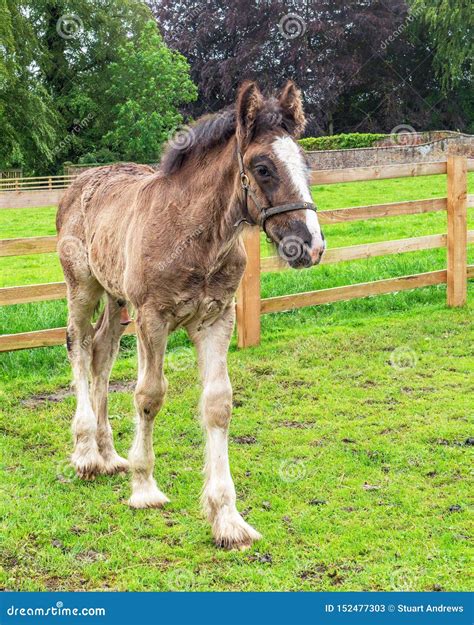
x=289 y=154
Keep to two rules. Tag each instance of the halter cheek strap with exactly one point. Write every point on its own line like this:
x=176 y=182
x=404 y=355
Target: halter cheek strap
x=264 y=212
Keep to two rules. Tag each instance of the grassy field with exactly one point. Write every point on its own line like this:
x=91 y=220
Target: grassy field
x=350 y=442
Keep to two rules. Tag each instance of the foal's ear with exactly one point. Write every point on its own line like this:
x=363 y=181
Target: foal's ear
x=292 y=106
x=249 y=103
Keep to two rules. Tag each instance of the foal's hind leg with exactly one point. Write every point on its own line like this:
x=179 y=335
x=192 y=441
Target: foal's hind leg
x=82 y=299
x=218 y=498
x=105 y=348
x=150 y=392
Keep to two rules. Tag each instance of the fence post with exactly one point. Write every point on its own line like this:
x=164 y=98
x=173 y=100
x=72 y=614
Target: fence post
x=248 y=294
x=457 y=231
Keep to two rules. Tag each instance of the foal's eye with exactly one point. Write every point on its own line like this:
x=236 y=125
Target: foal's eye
x=263 y=171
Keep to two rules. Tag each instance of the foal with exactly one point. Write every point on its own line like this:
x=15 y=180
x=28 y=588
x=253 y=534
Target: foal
x=168 y=243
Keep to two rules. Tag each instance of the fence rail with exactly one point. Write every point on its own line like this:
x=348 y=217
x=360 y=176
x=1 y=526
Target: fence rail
x=250 y=306
x=36 y=182
x=33 y=192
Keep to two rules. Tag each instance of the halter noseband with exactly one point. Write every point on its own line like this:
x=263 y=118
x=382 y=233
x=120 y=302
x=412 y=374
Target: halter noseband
x=264 y=212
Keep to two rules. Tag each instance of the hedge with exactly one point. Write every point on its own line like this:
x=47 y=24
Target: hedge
x=341 y=142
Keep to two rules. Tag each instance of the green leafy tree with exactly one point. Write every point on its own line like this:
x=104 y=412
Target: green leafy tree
x=29 y=122
x=79 y=40
x=450 y=26
x=77 y=76
x=148 y=84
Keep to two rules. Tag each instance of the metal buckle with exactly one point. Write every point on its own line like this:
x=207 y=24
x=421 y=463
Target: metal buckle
x=244 y=180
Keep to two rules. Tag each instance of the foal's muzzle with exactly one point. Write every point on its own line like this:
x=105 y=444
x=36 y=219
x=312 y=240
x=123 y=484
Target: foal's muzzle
x=299 y=247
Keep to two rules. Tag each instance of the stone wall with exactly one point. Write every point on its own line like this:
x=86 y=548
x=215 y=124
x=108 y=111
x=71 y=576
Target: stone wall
x=436 y=150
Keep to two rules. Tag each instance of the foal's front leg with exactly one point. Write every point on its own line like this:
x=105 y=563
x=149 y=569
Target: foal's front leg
x=149 y=396
x=218 y=498
x=104 y=351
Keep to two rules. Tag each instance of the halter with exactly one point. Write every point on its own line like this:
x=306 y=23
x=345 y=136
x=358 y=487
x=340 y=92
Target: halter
x=264 y=212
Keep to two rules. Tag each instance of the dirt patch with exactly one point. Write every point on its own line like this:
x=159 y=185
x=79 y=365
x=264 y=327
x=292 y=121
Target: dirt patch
x=466 y=443
x=244 y=440
x=367 y=486
x=297 y=425
x=41 y=398
x=264 y=370
x=293 y=383
x=89 y=556
x=261 y=558
x=315 y=572
x=58 y=544
x=122 y=387
x=58 y=584
x=64 y=393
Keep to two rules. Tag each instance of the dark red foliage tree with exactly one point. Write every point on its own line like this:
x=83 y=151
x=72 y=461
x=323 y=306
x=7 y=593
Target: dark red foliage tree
x=333 y=49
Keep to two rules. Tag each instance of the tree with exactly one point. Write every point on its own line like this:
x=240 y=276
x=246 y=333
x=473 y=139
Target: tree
x=85 y=80
x=79 y=40
x=450 y=25
x=29 y=123
x=369 y=65
x=327 y=46
x=148 y=83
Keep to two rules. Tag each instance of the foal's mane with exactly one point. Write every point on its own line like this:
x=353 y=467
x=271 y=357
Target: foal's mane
x=216 y=129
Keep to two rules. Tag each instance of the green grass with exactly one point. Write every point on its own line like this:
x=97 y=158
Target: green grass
x=354 y=469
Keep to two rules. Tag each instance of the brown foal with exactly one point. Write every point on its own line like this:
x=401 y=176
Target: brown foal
x=168 y=243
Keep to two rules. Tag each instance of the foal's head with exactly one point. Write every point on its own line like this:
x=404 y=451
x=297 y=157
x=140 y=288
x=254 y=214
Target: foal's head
x=276 y=173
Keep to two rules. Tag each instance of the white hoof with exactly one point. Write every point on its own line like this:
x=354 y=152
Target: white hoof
x=147 y=496
x=88 y=463
x=230 y=531
x=115 y=464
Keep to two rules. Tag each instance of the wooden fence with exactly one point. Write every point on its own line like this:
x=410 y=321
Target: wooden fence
x=250 y=306
x=32 y=192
